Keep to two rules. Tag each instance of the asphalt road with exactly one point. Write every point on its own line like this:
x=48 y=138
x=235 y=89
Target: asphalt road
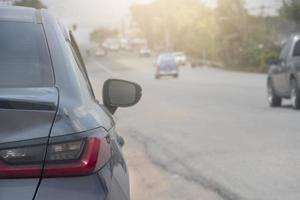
x=210 y=128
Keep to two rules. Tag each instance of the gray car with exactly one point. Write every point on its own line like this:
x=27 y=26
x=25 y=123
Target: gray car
x=166 y=66
x=284 y=74
x=56 y=140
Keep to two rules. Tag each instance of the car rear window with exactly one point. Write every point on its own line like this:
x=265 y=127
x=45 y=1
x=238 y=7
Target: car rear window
x=168 y=58
x=24 y=56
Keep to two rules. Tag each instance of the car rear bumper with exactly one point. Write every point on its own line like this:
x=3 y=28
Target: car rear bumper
x=168 y=73
x=75 y=188
x=99 y=186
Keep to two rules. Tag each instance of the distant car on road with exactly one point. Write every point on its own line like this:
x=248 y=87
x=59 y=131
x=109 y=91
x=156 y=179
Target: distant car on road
x=166 y=66
x=284 y=75
x=100 y=52
x=56 y=140
x=113 y=47
x=197 y=62
x=112 y=44
x=181 y=58
x=145 y=52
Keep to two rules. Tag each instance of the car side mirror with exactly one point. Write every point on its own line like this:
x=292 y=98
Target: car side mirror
x=120 y=93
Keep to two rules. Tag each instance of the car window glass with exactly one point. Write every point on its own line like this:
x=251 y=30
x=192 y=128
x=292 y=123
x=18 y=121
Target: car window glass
x=296 y=51
x=284 y=52
x=80 y=64
x=24 y=56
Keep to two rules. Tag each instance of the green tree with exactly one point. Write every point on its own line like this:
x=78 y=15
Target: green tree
x=246 y=40
x=260 y=45
x=175 y=24
x=232 y=20
x=146 y=18
x=227 y=33
x=101 y=34
x=290 y=10
x=30 y=3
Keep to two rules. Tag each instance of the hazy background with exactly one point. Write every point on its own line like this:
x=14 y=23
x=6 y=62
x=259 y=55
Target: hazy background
x=88 y=14
x=112 y=12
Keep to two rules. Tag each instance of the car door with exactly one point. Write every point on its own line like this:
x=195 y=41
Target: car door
x=280 y=70
x=287 y=67
x=28 y=104
x=295 y=61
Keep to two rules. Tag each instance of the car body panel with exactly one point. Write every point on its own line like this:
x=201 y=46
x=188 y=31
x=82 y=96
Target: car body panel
x=295 y=71
x=78 y=111
x=14 y=189
x=274 y=72
x=120 y=172
x=26 y=113
x=73 y=188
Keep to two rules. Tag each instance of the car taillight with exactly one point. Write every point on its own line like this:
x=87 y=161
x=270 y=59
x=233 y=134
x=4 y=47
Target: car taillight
x=65 y=151
x=76 y=157
x=21 y=162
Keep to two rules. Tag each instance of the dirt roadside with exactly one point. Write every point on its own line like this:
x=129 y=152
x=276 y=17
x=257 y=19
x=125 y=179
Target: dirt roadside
x=149 y=181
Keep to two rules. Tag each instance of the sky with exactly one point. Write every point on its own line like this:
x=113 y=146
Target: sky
x=113 y=12
x=91 y=14
x=272 y=5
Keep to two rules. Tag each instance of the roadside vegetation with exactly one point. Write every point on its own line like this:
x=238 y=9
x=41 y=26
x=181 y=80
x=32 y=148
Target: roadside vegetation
x=228 y=33
x=101 y=34
x=30 y=3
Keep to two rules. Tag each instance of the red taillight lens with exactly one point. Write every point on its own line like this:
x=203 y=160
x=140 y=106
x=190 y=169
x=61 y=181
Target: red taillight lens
x=96 y=153
x=67 y=158
x=66 y=151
